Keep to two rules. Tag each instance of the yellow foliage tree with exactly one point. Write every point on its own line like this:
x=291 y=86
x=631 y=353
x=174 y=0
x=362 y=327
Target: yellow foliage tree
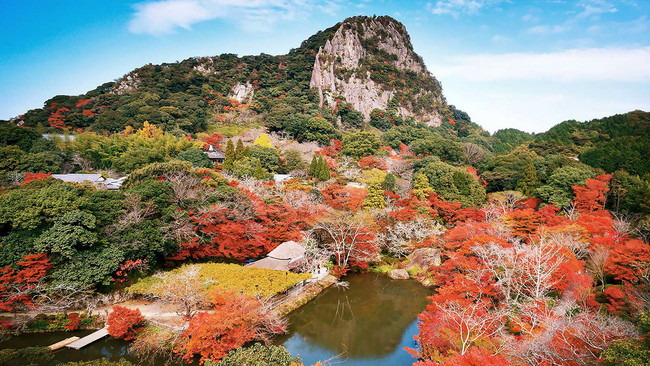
x=150 y=131
x=128 y=130
x=263 y=141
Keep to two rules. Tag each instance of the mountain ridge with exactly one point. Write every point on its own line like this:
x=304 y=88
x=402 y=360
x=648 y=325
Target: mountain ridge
x=342 y=73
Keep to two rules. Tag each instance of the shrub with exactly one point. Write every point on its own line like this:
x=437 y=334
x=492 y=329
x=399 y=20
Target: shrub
x=26 y=356
x=124 y=323
x=258 y=355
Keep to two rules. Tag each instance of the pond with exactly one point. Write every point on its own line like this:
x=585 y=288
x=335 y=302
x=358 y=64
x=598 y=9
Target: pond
x=368 y=323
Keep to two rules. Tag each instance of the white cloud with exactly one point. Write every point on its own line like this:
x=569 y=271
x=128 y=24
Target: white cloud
x=593 y=64
x=165 y=16
x=547 y=29
x=457 y=7
x=594 y=8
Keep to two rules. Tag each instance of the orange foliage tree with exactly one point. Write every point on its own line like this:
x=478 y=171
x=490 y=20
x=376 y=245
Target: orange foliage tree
x=124 y=323
x=344 y=198
x=235 y=320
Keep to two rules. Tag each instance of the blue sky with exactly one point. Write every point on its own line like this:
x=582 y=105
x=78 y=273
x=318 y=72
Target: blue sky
x=523 y=64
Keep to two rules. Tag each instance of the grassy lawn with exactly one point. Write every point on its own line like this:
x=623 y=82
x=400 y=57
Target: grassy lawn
x=252 y=281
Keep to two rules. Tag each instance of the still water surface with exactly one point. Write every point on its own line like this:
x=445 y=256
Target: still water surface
x=369 y=323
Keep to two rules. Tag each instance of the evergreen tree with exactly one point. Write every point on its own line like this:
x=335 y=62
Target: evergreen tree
x=528 y=182
x=259 y=172
x=240 y=151
x=230 y=156
x=375 y=197
x=421 y=187
x=313 y=165
x=389 y=182
x=323 y=170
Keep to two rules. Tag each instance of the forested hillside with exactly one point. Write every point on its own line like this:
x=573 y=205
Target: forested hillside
x=347 y=146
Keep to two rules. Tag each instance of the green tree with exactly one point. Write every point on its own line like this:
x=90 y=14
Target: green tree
x=380 y=119
x=259 y=171
x=69 y=234
x=293 y=161
x=313 y=166
x=389 y=182
x=267 y=156
x=323 y=170
x=195 y=156
x=630 y=352
x=240 y=151
x=528 y=181
x=558 y=189
x=360 y=144
x=230 y=156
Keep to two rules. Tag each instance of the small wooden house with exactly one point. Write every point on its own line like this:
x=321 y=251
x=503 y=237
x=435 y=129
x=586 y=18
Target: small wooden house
x=214 y=154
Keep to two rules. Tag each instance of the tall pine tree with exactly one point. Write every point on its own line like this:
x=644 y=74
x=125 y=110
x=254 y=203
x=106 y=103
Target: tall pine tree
x=240 y=151
x=528 y=181
x=230 y=156
x=313 y=165
x=323 y=170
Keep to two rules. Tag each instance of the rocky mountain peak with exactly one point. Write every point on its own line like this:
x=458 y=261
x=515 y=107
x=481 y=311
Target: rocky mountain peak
x=369 y=62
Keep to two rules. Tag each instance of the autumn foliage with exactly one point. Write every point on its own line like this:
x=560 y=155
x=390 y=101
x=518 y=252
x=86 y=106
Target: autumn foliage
x=504 y=277
x=17 y=284
x=235 y=320
x=124 y=323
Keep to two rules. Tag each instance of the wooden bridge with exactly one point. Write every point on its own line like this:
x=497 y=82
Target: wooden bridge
x=90 y=338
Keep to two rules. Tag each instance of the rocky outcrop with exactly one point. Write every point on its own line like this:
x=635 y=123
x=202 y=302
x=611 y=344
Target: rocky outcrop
x=338 y=70
x=126 y=84
x=242 y=93
x=424 y=258
x=399 y=274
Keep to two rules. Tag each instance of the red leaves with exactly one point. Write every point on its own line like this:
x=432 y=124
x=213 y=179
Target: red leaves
x=124 y=323
x=214 y=140
x=591 y=196
x=74 y=322
x=333 y=149
x=369 y=162
x=615 y=299
x=344 y=198
x=30 y=177
x=225 y=233
x=236 y=320
x=629 y=261
x=129 y=266
x=16 y=285
x=57 y=118
x=82 y=102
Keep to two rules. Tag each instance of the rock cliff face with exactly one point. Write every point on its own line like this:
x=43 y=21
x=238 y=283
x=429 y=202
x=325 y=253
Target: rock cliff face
x=362 y=64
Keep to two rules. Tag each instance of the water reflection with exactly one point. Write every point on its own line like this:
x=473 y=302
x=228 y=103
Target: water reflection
x=371 y=322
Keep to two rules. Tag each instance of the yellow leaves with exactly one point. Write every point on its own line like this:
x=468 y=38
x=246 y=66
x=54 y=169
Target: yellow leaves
x=149 y=131
x=373 y=176
x=252 y=281
x=263 y=141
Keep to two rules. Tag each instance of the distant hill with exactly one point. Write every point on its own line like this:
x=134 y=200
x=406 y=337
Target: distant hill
x=618 y=142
